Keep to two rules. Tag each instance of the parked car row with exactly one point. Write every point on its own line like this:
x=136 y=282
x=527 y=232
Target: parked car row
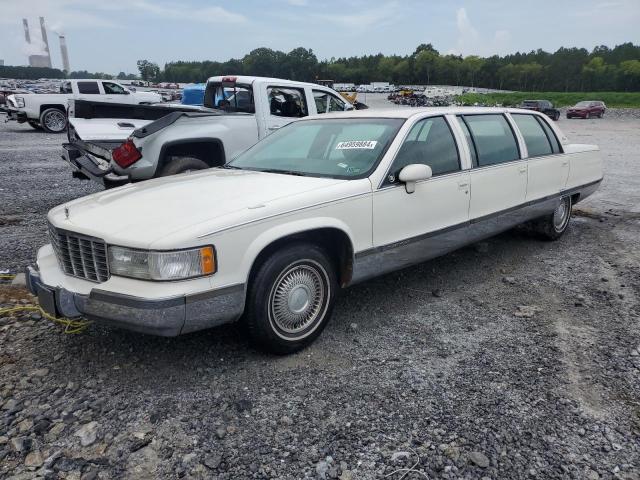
x=49 y=111
x=326 y=198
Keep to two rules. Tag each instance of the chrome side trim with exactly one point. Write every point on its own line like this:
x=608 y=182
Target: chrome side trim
x=393 y=256
x=295 y=210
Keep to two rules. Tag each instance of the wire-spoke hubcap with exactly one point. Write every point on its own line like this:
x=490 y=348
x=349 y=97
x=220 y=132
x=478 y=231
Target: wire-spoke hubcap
x=55 y=121
x=298 y=298
x=561 y=215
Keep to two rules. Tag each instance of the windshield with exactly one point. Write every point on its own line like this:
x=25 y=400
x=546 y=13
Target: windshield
x=583 y=104
x=337 y=148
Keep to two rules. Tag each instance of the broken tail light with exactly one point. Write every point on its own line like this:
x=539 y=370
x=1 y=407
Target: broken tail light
x=126 y=154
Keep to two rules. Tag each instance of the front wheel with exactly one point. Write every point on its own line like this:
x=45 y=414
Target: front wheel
x=53 y=120
x=290 y=298
x=553 y=225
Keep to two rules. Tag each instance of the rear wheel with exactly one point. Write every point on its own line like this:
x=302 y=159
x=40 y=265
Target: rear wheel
x=553 y=226
x=290 y=298
x=182 y=165
x=34 y=124
x=53 y=120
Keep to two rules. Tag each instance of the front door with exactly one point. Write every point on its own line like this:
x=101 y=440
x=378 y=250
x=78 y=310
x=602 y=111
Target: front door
x=412 y=226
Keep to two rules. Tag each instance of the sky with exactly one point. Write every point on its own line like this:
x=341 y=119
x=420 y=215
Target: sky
x=111 y=35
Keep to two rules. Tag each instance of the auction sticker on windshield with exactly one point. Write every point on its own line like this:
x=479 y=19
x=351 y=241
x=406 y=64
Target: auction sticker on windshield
x=357 y=144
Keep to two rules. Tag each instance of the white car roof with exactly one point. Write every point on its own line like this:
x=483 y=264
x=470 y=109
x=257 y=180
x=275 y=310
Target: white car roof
x=248 y=80
x=408 y=112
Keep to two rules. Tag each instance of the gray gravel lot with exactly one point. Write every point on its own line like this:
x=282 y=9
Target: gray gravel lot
x=513 y=358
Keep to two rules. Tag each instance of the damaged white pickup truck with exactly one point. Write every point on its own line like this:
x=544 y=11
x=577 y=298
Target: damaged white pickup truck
x=117 y=145
x=321 y=204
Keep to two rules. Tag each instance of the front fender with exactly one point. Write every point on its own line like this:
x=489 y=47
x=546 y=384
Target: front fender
x=279 y=232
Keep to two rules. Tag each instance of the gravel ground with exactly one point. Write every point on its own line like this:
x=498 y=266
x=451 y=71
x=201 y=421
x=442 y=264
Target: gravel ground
x=513 y=358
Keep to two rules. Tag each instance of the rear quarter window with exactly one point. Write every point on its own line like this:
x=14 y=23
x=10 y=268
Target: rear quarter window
x=535 y=138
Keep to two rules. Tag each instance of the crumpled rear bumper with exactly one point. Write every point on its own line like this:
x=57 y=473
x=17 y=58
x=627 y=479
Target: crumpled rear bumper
x=165 y=317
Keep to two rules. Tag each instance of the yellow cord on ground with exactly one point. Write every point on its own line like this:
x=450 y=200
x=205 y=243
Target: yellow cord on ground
x=71 y=326
x=8 y=276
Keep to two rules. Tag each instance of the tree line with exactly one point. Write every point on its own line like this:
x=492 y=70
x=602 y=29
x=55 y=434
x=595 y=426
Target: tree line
x=565 y=70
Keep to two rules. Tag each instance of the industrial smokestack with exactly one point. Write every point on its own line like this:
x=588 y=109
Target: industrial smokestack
x=64 y=53
x=45 y=41
x=27 y=37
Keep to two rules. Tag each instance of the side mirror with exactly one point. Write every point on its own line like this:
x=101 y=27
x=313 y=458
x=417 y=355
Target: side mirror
x=413 y=173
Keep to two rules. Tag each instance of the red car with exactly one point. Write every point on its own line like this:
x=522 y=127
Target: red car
x=587 y=109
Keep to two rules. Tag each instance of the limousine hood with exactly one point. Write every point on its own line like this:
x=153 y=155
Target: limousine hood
x=138 y=215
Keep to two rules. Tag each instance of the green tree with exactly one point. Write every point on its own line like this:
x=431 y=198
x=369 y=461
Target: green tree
x=425 y=63
x=149 y=71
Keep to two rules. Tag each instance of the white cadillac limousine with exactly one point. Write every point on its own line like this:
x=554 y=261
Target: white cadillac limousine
x=317 y=206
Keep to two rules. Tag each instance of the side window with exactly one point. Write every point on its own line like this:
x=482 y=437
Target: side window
x=113 y=89
x=493 y=138
x=287 y=102
x=322 y=100
x=430 y=142
x=90 y=88
x=555 y=144
x=534 y=136
x=335 y=105
x=467 y=134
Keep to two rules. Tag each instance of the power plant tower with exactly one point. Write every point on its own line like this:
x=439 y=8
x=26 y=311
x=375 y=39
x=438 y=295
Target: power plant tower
x=64 y=53
x=42 y=58
x=45 y=41
x=27 y=37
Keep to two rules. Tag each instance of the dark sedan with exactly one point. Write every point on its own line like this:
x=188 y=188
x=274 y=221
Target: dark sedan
x=544 y=106
x=587 y=109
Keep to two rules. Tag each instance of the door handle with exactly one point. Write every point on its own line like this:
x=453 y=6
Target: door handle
x=565 y=163
x=463 y=186
x=274 y=127
x=522 y=169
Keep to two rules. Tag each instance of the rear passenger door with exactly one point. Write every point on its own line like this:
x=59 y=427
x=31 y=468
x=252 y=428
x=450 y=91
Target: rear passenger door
x=498 y=175
x=548 y=167
x=89 y=90
x=437 y=203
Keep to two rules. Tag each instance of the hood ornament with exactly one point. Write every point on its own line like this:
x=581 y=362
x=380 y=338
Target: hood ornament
x=66 y=212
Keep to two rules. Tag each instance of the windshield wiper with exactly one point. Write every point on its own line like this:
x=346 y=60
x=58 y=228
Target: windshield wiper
x=231 y=167
x=284 y=172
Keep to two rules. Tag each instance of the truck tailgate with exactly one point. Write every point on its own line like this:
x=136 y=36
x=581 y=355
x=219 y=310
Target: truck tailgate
x=98 y=129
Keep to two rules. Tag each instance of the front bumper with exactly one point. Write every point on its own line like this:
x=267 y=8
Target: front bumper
x=166 y=317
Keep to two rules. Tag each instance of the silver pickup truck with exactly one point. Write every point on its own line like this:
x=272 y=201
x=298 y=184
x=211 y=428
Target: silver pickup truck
x=119 y=144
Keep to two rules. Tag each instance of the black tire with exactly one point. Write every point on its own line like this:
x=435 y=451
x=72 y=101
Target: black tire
x=556 y=116
x=53 y=120
x=178 y=165
x=34 y=124
x=601 y=115
x=298 y=274
x=553 y=225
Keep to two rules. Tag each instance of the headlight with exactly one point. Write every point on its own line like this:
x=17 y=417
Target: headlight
x=20 y=102
x=167 y=265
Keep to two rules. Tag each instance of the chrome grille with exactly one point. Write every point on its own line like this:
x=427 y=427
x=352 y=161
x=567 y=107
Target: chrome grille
x=80 y=256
